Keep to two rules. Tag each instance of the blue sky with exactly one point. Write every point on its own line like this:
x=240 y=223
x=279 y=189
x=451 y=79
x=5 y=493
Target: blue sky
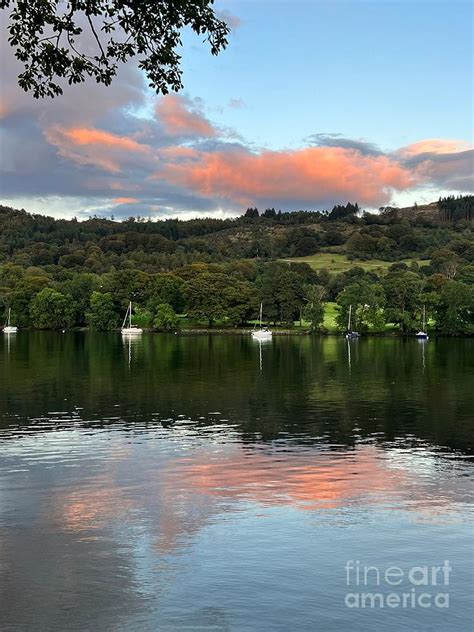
x=390 y=72
x=313 y=103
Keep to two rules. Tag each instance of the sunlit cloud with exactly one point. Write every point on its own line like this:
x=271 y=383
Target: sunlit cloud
x=82 y=136
x=302 y=177
x=181 y=117
x=434 y=146
x=92 y=146
x=125 y=200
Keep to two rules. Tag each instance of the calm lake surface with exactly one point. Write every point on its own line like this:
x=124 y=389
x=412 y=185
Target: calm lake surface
x=210 y=483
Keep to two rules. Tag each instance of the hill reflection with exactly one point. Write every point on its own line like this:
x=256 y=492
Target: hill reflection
x=315 y=389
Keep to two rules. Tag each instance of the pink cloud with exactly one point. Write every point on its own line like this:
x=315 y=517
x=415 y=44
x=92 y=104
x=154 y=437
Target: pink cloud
x=302 y=176
x=4 y=109
x=434 y=146
x=85 y=136
x=125 y=200
x=90 y=146
x=181 y=118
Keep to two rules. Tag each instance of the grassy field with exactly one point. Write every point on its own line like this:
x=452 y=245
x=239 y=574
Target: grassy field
x=335 y=262
x=330 y=316
x=329 y=322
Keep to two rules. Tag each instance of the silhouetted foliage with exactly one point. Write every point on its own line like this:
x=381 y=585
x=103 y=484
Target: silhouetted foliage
x=52 y=39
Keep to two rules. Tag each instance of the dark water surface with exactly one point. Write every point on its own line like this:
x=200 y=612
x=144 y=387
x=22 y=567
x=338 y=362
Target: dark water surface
x=209 y=483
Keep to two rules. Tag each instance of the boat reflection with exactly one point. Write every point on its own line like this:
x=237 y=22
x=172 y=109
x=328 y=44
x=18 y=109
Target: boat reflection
x=131 y=342
x=262 y=342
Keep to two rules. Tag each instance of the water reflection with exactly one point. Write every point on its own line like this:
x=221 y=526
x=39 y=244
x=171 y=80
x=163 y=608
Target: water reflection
x=132 y=342
x=423 y=342
x=9 y=340
x=304 y=386
x=130 y=509
x=261 y=344
x=172 y=483
x=349 y=341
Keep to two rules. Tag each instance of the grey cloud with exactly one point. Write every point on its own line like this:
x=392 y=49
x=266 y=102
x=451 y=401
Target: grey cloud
x=454 y=170
x=236 y=103
x=338 y=140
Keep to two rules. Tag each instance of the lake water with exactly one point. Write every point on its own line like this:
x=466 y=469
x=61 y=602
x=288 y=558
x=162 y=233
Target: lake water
x=210 y=483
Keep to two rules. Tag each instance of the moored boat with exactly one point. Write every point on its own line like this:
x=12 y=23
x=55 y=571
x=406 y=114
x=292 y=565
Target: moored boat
x=422 y=334
x=263 y=333
x=130 y=330
x=9 y=328
x=350 y=333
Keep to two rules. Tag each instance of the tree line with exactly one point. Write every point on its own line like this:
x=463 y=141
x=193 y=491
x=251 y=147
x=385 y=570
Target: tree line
x=230 y=294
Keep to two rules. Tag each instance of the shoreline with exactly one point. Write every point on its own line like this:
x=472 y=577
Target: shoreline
x=290 y=332
x=210 y=331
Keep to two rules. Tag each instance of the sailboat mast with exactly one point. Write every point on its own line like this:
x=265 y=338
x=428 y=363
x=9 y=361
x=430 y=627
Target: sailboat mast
x=424 y=318
x=261 y=312
x=349 y=320
x=9 y=315
x=125 y=318
x=130 y=314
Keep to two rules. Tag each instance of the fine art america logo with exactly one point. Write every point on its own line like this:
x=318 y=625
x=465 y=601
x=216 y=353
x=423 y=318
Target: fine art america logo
x=395 y=587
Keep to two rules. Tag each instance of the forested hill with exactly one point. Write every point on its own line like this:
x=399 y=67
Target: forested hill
x=302 y=265
x=100 y=244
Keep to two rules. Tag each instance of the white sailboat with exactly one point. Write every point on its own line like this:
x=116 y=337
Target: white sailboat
x=130 y=330
x=263 y=333
x=422 y=335
x=9 y=328
x=350 y=333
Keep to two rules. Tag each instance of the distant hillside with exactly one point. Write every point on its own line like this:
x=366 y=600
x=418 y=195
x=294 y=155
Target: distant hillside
x=444 y=210
x=99 y=245
x=428 y=211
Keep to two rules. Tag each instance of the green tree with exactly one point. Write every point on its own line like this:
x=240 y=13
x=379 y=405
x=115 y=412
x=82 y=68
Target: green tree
x=165 y=318
x=314 y=308
x=52 y=310
x=125 y=286
x=204 y=297
x=362 y=245
x=240 y=301
x=215 y=296
x=102 y=315
x=52 y=39
x=446 y=262
x=167 y=288
x=282 y=292
x=80 y=286
x=403 y=293
x=22 y=295
x=455 y=308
